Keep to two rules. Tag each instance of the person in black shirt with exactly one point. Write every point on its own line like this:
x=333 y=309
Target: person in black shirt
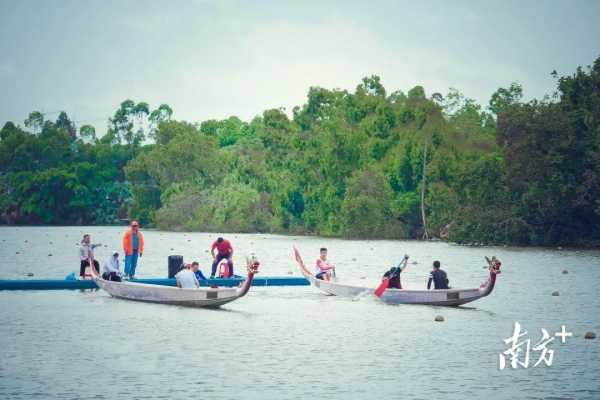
x=438 y=276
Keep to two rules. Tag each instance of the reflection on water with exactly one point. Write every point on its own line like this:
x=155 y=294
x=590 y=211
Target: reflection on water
x=294 y=342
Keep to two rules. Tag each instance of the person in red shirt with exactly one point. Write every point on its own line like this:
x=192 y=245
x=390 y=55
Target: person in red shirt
x=224 y=252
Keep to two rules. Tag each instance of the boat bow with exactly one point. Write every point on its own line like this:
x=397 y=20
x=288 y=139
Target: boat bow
x=252 y=265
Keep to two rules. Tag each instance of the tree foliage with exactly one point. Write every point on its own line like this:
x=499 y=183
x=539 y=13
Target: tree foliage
x=351 y=164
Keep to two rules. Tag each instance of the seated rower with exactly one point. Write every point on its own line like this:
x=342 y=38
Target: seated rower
x=393 y=275
x=199 y=275
x=438 y=276
x=110 y=269
x=323 y=267
x=186 y=278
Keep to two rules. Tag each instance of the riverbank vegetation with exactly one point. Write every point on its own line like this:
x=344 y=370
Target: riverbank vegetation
x=361 y=164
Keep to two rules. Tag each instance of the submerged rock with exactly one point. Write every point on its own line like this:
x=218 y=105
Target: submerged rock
x=590 y=335
x=439 y=318
x=555 y=293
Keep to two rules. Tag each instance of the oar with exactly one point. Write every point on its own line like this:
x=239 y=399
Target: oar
x=386 y=281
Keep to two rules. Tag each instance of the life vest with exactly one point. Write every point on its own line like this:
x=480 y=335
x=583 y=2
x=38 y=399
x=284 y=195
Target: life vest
x=224 y=270
x=128 y=242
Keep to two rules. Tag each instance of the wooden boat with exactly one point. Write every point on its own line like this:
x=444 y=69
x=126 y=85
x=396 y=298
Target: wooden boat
x=436 y=297
x=199 y=297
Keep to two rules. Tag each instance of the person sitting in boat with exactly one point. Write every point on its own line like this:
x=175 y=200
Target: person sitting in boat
x=224 y=252
x=86 y=253
x=438 y=276
x=323 y=267
x=393 y=275
x=186 y=278
x=110 y=269
x=199 y=275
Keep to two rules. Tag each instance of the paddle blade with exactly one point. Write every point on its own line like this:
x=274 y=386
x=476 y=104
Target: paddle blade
x=384 y=285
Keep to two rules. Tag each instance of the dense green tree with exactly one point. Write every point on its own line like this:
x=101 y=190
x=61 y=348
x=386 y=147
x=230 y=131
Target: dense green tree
x=359 y=164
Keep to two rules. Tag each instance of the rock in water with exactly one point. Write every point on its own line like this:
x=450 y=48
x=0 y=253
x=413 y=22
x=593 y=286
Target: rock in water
x=565 y=272
x=590 y=335
x=49 y=254
x=439 y=318
x=555 y=293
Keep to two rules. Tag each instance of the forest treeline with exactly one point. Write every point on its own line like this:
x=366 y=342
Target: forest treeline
x=362 y=164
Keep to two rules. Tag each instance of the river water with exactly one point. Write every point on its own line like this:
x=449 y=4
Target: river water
x=295 y=342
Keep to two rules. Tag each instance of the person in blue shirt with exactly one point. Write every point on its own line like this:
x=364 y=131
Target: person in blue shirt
x=199 y=275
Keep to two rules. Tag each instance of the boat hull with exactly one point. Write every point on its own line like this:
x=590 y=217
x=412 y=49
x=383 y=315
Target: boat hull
x=201 y=297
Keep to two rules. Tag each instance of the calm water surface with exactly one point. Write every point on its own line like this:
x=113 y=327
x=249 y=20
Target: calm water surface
x=294 y=342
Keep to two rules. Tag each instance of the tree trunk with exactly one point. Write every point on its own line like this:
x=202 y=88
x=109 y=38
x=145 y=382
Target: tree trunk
x=425 y=234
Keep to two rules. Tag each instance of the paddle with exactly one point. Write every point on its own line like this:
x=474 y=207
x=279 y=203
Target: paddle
x=385 y=282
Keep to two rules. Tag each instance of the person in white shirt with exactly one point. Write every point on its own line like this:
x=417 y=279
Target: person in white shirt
x=186 y=278
x=110 y=269
x=86 y=253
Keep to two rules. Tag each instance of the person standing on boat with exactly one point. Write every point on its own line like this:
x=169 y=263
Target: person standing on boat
x=224 y=252
x=186 y=278
x=133 y=245
x=86 y=253
x=323 y=267
x=110 y=269
x=438 y=276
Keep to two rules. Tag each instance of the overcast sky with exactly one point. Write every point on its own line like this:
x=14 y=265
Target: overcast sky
x=215 y=59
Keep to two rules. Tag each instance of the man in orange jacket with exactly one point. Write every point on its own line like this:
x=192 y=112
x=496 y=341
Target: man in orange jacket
x=133 y=244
